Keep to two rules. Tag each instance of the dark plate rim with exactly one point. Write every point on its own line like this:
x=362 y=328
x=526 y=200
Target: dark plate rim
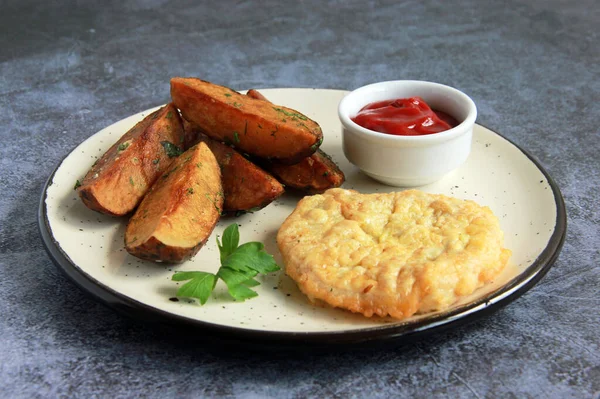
x=397 y=333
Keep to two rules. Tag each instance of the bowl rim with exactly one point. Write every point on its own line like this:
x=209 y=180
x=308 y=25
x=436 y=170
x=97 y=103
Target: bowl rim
x=458 y=130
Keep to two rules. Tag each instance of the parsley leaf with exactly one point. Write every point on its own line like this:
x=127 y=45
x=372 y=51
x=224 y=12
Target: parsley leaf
x=251 y=256
x=239 y=265
x=123 y=146
x=171 y=149
x=231 y=239
x=200 y=286
x=238 y=282
x=292 y=114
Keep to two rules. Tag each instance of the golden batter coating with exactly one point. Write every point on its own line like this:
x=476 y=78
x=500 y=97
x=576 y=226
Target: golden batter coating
x=391 y=254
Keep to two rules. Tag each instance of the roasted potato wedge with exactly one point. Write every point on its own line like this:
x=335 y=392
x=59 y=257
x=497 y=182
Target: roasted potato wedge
x=256 y=127
x=117 y=182
x=246 y=186
x=191 y=133
x=256 y=95
x=180 y=211
x=313 y=174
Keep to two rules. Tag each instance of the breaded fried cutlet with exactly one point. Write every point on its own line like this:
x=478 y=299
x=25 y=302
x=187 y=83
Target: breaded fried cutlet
x=393 y=254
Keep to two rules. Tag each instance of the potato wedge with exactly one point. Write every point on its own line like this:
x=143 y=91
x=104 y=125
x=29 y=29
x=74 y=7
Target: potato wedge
x=313 y=174
x=180 y=211
x=117 y=182
x=246 y=186
x=253 y=126
x=253 y=93
x=191 y=133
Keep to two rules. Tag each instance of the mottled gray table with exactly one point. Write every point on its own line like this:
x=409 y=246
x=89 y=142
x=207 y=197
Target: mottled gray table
x=67 y=70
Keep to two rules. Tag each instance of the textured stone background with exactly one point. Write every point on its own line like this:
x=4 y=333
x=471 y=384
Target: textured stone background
x=69 y=69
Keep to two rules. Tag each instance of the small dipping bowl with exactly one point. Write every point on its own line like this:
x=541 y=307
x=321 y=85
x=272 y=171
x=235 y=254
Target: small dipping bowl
x=408 y=161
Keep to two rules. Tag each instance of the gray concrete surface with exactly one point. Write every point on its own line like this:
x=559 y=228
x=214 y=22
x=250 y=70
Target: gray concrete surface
x=69 y=68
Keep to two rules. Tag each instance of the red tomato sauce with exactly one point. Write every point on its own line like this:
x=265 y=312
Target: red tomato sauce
x=404 y=117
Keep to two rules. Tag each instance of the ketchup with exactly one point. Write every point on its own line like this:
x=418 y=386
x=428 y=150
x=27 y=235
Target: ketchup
x=404 y=117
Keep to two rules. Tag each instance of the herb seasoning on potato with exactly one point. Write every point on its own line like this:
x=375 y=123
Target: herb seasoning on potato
x=116 y=184
x=181 y=210
x=254 y=126
x=313 y=174
x=246 y=186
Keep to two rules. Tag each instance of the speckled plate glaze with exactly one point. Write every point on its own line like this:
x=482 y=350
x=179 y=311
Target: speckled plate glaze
x=88 y=246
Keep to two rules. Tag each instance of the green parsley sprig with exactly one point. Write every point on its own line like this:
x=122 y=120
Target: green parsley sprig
x=239 y=265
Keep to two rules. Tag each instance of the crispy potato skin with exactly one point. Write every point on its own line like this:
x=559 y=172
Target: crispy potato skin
x=246 y=186
x=313 y=174
x=192 y=134
x=180 y=211
x=256 y=127
x=118 y=181
x=253 y=93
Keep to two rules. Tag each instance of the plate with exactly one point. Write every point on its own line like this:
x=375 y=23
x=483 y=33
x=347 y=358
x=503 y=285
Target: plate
x=88 y=246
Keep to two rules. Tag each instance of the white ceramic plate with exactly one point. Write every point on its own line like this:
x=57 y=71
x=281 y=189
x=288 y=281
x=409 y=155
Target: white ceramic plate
x=88 y=246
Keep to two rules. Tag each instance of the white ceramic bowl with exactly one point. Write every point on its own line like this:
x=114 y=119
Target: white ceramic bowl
x=408 y=161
